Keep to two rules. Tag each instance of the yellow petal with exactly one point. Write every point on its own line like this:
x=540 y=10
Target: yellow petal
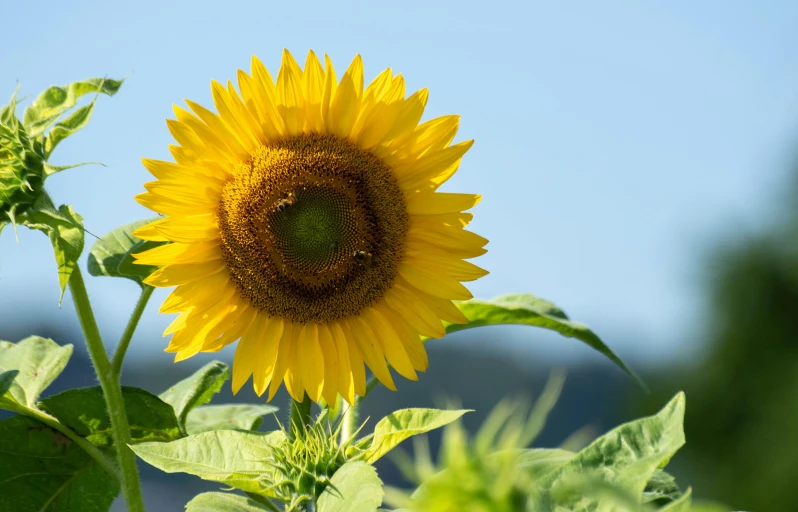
x=283 y=358
x=331 y=369
x=330 y=86
x=190 y=229
x=346 y=104
x=371 y=351
x=429 y=203
x=344 y=337
x=391 y=345
x=434 y=284
x=290 y=97
x=313 y=84
x=346 y=380
x=179 y=253
x=414 y=312
x=248 y=351
x=269 y=331
x=311 y=361
x=175 y=275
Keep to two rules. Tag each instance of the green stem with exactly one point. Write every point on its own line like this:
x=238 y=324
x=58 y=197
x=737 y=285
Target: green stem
x=95 y=453
x=112 y=391
x=351 y=413
x=299 y=420
x=124 y=342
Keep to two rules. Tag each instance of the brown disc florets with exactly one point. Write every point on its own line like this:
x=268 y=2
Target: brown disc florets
x=312 y=228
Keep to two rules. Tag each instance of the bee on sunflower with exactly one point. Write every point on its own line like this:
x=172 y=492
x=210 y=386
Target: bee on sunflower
x=305 y=222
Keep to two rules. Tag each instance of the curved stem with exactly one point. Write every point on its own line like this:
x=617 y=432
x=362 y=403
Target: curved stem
x=300 y=417
x=112 y=391
x=127 y=335
x=89 y=448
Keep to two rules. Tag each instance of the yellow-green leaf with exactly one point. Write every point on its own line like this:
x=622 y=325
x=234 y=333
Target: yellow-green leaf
x=398 y=426
x=196 y=390
x=37 y=361
x=355 y=487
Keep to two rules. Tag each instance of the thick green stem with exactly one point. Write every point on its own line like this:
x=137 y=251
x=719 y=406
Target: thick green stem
x=121 y=349
x=300 y=416
x=112 y=390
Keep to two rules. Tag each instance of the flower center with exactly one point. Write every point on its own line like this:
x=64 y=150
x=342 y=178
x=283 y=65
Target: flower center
x=312 y=228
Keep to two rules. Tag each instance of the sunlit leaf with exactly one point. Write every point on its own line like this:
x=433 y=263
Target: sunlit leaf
x=398 y=426
x=57 y=100
x=661 y=489
x=6 y=379
x=527 y=309
x=227 y=417
x=355 y=487
x=626 y=457
x=111 y=255
x=540 y=461
x=84 y=411
x=38 y=362
x=682 y=504
x=235 y=458
x=223 y=502
x=196 y=390
x=42 y=470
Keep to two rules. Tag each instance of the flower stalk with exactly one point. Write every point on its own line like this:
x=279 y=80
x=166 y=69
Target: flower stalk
x=112 y=391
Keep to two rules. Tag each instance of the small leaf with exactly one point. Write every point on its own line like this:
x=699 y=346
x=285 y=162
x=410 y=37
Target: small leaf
x=355 y=487
x=77 y=120
x=227 y=417
x=42 y=470
x=661 y=489
x=196 y=390
x=398 y=426
x=56 y=100
x=65 y=229
x=683 y=504
x=111 y=255
x=626 y=457
x=235 y=458
x=223 y=502
x=6 y=379
x=527 y=309
x=84 y=411
x=37 y=361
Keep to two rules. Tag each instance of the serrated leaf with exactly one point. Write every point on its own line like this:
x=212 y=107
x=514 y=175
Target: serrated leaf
x=223 y=502
x=232 y=457
x=227 y=417
x=355 y=487
x=528 y=309
x=398 y=426
x=38 y=362
x=624 y=458
x=64 y=227
x=111 y=255
x=42 y=470
x=57 y=100
x=196 y=390
x=84 y=411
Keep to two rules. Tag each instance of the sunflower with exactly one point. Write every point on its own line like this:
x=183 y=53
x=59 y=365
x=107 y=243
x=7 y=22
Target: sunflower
x=304 y=221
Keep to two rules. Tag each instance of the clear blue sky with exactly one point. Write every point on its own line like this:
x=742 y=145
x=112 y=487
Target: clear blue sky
x=615 y=141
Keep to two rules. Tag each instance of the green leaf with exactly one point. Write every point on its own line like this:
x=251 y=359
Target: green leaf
x=540 y=461
x=38 y=362
x=196 y=390
x=111 y=255
x=42 y=470
x=77 y=120
x=65 y=229
x=398 y=426
x=527 y=309
x=626 y=457
x=227 y=417
x=223 y=502
x=232 y=457
x=6 y=379
x=661 y=489
x=683 y=504
x=84 y=411
x=355 y=487
x=56 y=100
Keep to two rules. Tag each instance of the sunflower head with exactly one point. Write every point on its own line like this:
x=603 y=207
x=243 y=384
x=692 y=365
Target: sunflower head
x=305 y=221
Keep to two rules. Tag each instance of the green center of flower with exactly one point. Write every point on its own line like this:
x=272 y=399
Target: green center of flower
x=314 y=227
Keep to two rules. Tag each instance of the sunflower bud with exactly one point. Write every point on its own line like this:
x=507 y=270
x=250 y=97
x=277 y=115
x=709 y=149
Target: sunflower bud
x=21 y=168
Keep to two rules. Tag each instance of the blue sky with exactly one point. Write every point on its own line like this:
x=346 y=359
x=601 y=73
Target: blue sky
x=615 y=141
